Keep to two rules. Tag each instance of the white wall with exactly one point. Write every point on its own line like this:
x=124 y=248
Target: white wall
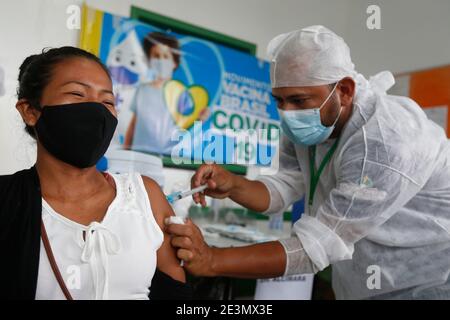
x=26 y=27
x=256 y=21
x=415 y=35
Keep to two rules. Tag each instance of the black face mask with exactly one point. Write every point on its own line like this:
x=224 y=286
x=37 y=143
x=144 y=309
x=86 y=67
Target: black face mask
x=77 y=133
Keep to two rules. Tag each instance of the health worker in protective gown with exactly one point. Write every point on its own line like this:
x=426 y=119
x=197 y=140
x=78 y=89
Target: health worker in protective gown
x=374 y=171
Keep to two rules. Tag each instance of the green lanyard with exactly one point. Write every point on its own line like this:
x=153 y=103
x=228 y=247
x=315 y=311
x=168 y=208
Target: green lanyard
x=315 y=175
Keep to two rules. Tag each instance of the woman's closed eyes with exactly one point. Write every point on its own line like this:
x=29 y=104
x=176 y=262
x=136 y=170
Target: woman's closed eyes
x=82 y=95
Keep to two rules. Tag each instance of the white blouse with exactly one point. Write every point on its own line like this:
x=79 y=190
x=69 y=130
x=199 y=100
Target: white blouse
x=117 y=257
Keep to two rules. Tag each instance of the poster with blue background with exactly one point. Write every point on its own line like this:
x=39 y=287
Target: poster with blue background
x=182 y=96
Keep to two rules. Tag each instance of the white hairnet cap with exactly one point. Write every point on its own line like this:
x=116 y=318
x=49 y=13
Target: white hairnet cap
x=312 y=56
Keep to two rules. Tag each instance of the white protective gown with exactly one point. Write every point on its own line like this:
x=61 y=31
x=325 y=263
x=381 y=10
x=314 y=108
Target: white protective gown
x=383 y=201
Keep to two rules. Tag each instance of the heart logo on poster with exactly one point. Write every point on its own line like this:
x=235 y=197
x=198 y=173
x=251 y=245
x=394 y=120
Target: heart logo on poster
x=185 y=104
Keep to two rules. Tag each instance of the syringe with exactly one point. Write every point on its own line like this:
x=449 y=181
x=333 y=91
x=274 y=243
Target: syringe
x=175 y=196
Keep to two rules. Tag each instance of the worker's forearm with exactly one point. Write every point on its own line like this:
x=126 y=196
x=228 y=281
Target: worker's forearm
x=251 y=194
x=263 y=260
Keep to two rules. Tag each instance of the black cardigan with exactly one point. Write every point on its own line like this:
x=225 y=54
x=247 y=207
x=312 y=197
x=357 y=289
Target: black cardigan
x=20 y=222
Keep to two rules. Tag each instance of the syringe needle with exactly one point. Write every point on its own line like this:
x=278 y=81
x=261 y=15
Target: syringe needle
x=180 y=195
x=193 y=191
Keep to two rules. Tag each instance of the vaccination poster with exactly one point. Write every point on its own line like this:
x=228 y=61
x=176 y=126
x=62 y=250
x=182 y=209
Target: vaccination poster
x=182 y=96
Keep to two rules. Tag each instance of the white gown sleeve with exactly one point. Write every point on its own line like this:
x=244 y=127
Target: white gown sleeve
x=366 y=195
x=287 y=185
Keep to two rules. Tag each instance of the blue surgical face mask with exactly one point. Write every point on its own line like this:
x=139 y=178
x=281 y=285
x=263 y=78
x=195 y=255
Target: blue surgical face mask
x=304 y=127
x=162 y=68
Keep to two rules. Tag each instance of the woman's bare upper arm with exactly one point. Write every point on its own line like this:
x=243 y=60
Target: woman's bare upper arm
x=167 y=260
x=160 y=207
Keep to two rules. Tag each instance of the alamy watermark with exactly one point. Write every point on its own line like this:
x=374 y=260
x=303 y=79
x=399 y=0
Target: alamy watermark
x=374 y=280
x=373 y=21
x=73 y=21
x=227 y=146
x=73 y=281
